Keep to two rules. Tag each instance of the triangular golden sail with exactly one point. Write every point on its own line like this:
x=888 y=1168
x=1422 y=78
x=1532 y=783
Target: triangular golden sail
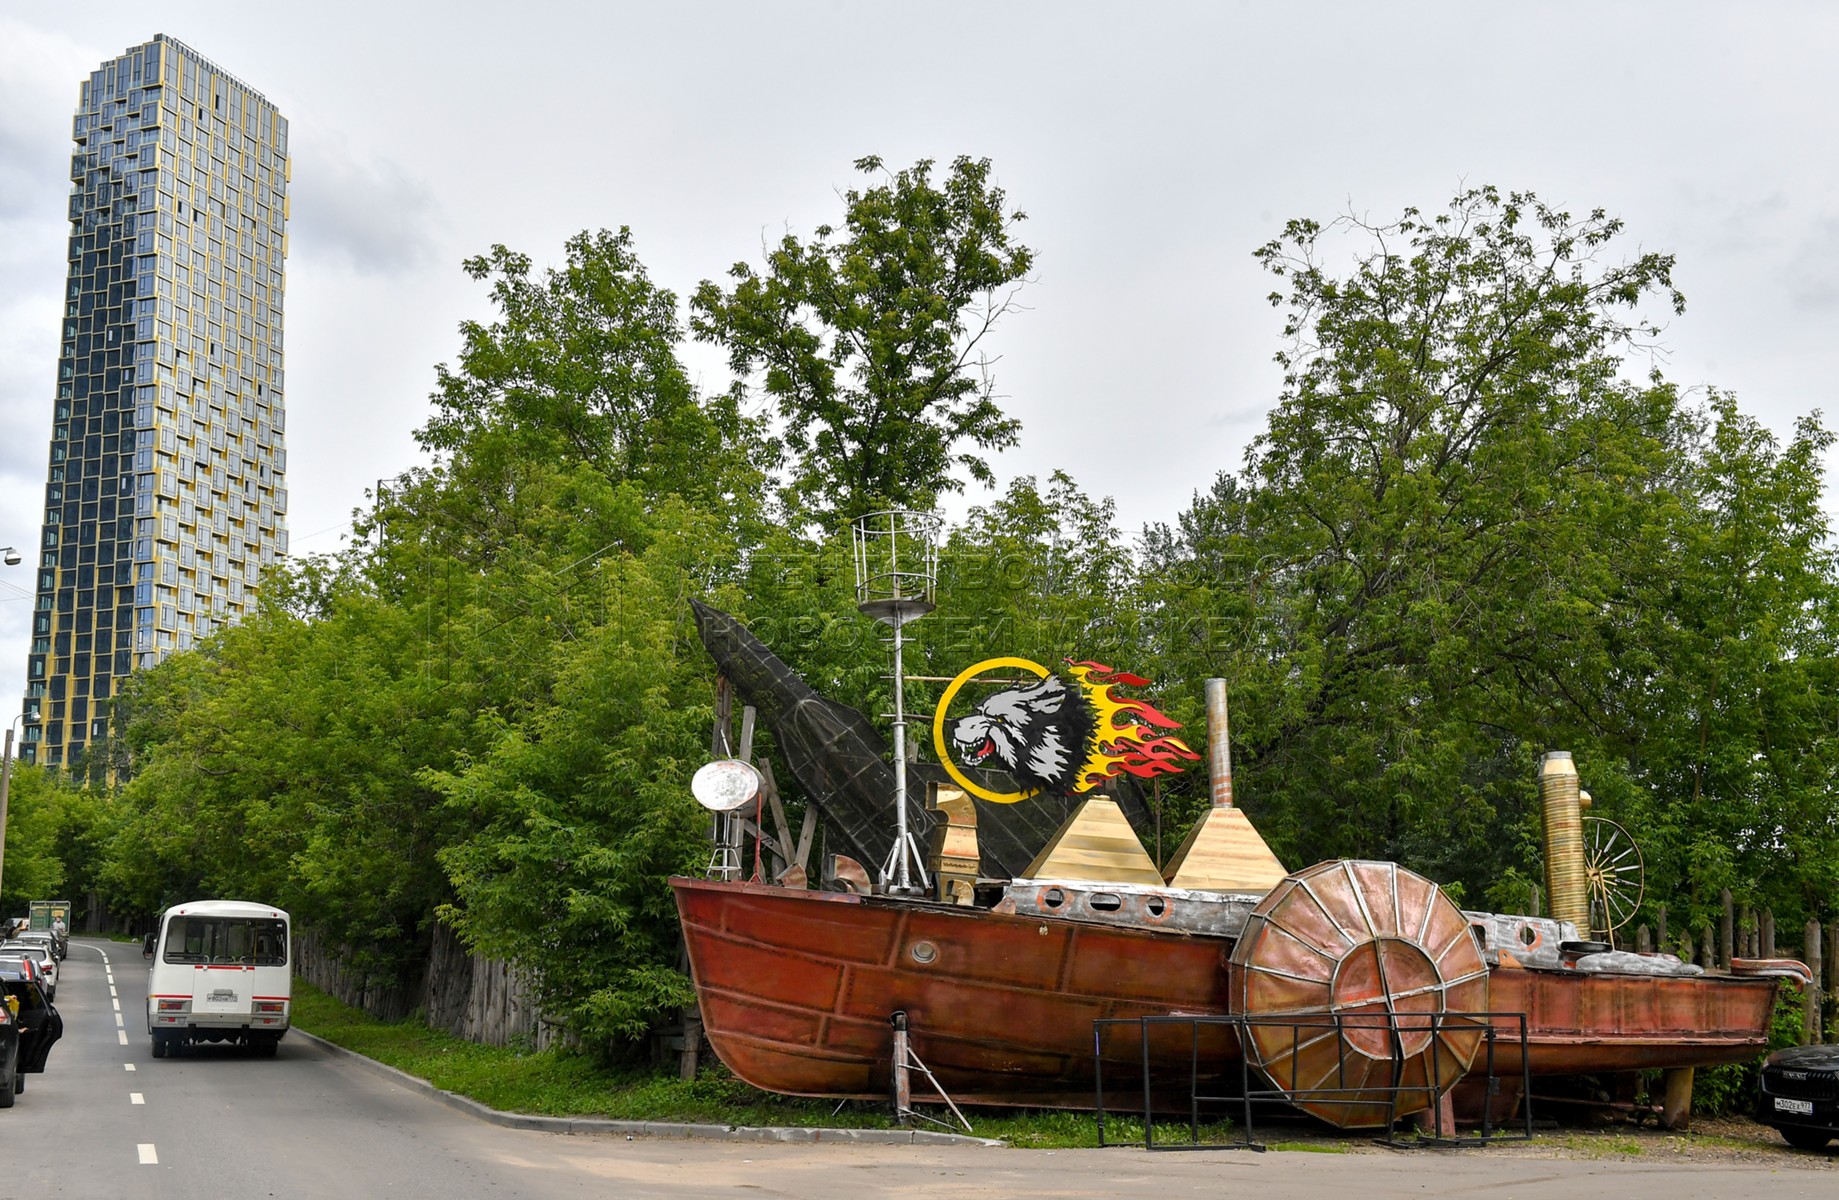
x=1224 y=853
x=1096 y=845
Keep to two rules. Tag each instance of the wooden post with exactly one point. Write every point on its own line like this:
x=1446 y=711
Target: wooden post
x=1810 y=1025
x=1676 y=1104
x=1726 y=930
x=1660 y=926
x=1644 y=941
x=1710 y=952
x=1768 y=933
x=1534 y=911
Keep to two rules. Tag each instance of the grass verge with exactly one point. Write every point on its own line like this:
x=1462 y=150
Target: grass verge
x=563 y=1084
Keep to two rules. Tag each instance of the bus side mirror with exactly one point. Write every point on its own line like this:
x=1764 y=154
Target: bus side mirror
x=147 y=944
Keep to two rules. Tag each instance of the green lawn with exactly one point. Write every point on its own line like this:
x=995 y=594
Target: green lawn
x=559 y=1083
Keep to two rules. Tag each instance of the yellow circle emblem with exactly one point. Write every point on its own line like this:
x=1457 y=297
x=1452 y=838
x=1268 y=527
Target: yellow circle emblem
x=940 y=745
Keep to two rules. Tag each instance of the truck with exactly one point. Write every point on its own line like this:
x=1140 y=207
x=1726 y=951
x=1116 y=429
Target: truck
x=42 y=916
x=221 y=972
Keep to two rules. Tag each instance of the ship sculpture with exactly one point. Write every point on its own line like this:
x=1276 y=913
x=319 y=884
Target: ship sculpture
x=1360 y=975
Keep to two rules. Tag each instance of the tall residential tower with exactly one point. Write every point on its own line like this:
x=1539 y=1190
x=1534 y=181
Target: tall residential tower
x=165 y=496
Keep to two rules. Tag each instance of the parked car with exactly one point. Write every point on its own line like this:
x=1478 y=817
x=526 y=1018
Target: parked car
x=42 y=959
x=35 y=1027
x=1799 y=1095
x=59 y=943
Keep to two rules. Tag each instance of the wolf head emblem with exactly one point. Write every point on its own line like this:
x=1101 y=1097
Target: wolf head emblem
x=1041 y=734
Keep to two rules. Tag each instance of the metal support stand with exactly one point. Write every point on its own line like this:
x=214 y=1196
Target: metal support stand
x=905 y=1063
x=893 y=592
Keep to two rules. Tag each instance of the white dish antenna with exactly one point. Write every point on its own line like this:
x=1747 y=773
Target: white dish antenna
x=725 y=784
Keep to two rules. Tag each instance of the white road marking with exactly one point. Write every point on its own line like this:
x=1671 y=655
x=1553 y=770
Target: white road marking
x=126 y=1066
x=118 y=1019
x=136 y=1098
x=112 y=992
x=117 y=1004
x=123 y=1035
x=147 y=1156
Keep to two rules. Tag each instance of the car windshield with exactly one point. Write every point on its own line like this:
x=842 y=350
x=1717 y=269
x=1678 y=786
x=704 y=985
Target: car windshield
x=245 y=941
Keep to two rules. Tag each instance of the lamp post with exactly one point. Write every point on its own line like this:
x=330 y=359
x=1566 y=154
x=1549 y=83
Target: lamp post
x=10 y=556
x=6 y=780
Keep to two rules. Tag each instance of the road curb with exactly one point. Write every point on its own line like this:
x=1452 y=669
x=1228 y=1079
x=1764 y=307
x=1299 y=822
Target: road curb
x=678 y=1129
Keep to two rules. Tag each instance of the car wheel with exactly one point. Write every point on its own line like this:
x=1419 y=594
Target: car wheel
x=6 y=1094
x=1806 y=1139
x=159 y=1046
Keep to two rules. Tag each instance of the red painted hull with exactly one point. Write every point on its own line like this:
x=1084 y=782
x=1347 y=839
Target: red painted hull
x=796 y=989
x=1582 y=1023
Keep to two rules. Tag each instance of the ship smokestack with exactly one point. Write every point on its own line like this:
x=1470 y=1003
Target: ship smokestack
x=1561 y=800
x=1219 y=744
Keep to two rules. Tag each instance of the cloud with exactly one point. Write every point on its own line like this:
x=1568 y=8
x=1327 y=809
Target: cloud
x=374 y=214
x=39 y=77
x=1813 y=268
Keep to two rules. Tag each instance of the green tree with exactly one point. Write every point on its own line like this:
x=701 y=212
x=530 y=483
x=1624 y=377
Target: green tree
x=1423 y=567
x=872 y=339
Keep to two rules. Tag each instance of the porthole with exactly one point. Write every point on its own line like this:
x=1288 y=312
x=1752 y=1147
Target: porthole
x=923 y=952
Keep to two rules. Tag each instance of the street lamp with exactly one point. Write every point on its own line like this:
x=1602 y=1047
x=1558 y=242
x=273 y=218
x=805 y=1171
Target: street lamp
x=9 y=555
x=6 y=779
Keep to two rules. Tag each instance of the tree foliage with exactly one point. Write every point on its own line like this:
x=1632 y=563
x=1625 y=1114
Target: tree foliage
x=872 y=339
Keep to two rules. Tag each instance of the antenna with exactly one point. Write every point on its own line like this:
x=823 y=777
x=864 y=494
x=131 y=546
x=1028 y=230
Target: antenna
x=897 y=570
x=722 y=787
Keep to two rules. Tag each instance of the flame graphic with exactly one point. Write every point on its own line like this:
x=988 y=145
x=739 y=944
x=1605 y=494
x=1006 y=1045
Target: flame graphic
x=1126 y=739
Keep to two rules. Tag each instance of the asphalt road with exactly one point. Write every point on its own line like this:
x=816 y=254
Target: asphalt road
x=108 y=1120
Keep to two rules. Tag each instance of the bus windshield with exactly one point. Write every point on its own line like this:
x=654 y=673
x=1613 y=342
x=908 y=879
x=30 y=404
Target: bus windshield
x=242 y=941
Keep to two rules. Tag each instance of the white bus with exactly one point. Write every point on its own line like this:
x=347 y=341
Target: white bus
x=221 y=973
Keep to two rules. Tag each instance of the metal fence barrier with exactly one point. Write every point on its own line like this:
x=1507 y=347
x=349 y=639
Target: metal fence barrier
x=1388 y=1096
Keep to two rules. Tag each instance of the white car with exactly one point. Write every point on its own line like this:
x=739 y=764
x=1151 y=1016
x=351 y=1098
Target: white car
x=42 y=956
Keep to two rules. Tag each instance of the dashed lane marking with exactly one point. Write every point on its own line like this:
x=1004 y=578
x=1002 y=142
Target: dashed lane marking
x=126 y=1066
x=112 y=992
x=136 y=1098
x=118 y=1019
x=117 y=1004
x=147 y=1156
x=123 y=1035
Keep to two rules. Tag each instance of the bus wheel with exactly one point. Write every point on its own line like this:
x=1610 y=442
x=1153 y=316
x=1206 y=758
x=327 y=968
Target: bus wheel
x=159 y=1046
x=267 y=1047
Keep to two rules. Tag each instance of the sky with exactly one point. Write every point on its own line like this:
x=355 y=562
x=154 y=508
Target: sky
x=1154 y=146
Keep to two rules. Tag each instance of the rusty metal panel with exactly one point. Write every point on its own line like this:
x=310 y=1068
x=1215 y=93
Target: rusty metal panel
x=1133 y=906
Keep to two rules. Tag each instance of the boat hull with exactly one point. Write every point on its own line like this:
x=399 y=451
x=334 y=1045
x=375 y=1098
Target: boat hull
x=797 y=987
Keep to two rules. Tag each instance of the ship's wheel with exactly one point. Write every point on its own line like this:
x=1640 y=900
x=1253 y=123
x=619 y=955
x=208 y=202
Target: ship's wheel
x=1354 y=972
x=1614 y=872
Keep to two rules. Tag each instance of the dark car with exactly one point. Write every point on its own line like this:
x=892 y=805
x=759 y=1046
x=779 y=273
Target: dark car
x=36 y=1028
x=1800 y=1095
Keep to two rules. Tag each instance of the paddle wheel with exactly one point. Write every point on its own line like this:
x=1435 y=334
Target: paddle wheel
x=1353 y=973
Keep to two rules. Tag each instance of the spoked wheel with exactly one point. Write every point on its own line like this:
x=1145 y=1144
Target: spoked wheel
x=1352 y=971
x=1613 y=870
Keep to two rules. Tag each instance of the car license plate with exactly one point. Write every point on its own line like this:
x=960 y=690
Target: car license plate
x=1802 y=1108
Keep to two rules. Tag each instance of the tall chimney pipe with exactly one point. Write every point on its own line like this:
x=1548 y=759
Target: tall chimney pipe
x=1219 y=744
x=1560 y=799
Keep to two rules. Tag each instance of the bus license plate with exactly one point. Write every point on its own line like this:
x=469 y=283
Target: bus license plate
x=1803 y=1108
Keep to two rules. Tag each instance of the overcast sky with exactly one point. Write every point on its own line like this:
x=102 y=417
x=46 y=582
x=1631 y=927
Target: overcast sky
x=1154 y=146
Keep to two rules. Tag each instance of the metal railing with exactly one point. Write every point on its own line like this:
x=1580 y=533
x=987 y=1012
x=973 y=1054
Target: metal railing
x=1391 y=1097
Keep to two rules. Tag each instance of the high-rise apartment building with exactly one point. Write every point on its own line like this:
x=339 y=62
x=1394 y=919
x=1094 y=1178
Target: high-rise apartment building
x=164 y=497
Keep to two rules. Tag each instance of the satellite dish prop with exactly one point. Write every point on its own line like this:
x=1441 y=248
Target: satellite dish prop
x=724 y=787
x=725 y=784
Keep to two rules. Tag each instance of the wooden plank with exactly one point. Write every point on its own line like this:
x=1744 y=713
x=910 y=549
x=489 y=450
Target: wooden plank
x=745 y=751
x=770 y=787
x=806 y=833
